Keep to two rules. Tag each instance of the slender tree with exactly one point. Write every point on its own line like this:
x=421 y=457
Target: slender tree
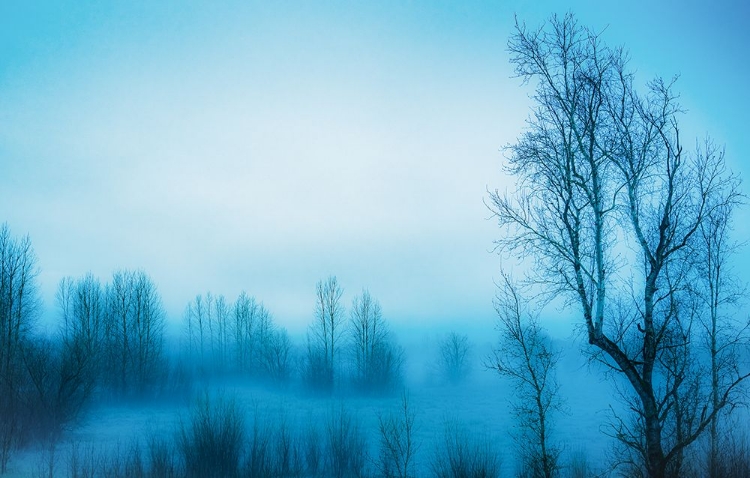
x=324 y=334
x=527 y=358
x=134 y=332
x=376 y=360
x=718 y=293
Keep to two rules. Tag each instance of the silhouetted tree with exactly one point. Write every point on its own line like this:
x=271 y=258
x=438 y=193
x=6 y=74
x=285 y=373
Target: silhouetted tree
x=251 y=333
x=18 y=307
x=454 y=359
x=376 y=359
x=82 y=309
x=601 y=165
x=196 y=329
x=526 y=357
x=134 y=332
x=324 y=335
x=209 y=329
x=277 y=355
x=64 y=373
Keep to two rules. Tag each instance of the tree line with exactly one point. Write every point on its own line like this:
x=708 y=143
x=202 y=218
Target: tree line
x=357 y=351
x=109 y=343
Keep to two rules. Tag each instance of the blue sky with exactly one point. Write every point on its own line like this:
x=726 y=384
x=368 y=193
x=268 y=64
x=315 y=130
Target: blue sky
x=265 y=145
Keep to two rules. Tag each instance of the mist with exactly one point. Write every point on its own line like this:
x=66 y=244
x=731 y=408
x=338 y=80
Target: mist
x=314 y=240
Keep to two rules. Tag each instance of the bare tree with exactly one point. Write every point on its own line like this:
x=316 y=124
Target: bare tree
x=718 y=293
x=397 y=442
x=324 y=334
x=64 y=373
x=376 y=359
x=18 y=307
x=526 y=357
x=276 y=355
x=454 y=357
x=609 y=206
x=245 y=312
x=196 y=329
x=222 y=332
x=134 y=332
x=82 y=309
x=208 y=327
x=253 y=328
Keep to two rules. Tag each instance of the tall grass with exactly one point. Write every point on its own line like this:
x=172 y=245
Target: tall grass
x=212 y=441
x=460 y=455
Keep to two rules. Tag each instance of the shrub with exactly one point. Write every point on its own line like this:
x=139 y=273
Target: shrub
x=346 y=446
x=211 y=443
x=397 y=445
x=459 y=455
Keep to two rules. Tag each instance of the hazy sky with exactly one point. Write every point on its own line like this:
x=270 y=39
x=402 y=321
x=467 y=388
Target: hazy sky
x=263 y=146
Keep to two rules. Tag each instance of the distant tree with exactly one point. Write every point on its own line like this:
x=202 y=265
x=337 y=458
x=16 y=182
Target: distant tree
x=64 y=373
x=245 y=311
x=82 y=329
x=454 y=357
x=718 y=294
x=527 y=358
x=196 y=329
x=18 y=308
x=251 y=333
x=277 y=355
x=324 y=335
x=134 y=333
x=222 y=333
x=208 y=330
x=376 y=359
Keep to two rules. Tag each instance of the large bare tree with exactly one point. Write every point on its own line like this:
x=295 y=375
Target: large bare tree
x=609 y=207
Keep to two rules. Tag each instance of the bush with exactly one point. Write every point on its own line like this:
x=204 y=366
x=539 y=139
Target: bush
x=397 y=445
x=346 y=446
x=459 y=455
x=161 y=456
x=211 y=443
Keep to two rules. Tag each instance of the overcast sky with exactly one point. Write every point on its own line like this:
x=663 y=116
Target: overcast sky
x=263 y=146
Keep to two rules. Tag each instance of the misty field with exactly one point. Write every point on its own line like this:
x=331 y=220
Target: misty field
x=107 y=436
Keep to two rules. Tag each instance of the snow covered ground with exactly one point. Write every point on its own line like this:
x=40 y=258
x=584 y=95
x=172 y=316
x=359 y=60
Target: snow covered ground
x=480 y=405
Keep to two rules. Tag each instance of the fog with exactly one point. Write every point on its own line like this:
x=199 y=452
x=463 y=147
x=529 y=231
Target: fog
x=280 y=239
